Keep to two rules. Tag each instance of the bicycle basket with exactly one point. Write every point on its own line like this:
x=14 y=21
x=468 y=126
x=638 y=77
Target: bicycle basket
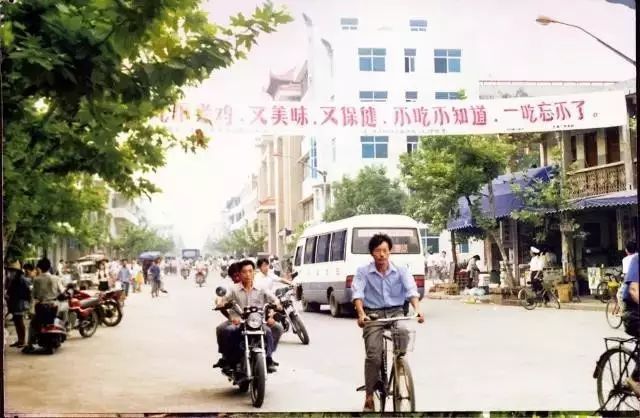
x=403 y=340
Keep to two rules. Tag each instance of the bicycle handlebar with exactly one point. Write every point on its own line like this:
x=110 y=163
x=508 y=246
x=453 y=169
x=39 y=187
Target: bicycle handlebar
x=398 y=318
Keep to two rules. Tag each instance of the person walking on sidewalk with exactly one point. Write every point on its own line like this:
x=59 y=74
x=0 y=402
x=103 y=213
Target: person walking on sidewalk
x=103 y=277
x=18 y=300
x=124 y=277
x=155 y=276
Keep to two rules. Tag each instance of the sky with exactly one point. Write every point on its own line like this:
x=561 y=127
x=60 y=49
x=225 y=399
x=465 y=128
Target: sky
x=513 y=47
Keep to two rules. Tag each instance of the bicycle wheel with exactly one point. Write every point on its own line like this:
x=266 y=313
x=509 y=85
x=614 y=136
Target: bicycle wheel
x=614 y=319
x=527 y=298
x=553 y=299
x=404 y=399
x=602 y=292
x=614 y=367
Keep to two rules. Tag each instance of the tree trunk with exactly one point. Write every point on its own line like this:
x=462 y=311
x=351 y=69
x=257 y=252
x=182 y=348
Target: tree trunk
x=568 y=256
x=454 y=256
x=495 y=237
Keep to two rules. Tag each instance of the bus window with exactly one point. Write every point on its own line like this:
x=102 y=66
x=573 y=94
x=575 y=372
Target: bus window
x=310 y=250
x=338 y=245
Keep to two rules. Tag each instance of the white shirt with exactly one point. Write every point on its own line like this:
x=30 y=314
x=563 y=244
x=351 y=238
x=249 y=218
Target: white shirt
x=537 y=263
x=267 y=281
x=432 y=260
x=625 y=264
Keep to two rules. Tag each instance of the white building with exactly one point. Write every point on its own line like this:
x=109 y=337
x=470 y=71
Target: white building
x=241 y=210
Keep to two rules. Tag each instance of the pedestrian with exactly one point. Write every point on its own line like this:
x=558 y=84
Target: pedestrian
x=443 y=266
x=103 y=276
x=154 y=276
x=136 y=272
x=473 y=271
x=124 y=277
x=18 y=300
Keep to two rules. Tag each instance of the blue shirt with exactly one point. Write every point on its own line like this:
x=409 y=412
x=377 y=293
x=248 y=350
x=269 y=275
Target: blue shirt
x=378 y=291
x=124 y=275
x=631 y=277
x=154 y=271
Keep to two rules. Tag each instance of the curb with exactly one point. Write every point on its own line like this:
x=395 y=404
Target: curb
x=510 y=302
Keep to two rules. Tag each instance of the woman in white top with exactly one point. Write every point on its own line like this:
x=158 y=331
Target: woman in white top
x=103 y=277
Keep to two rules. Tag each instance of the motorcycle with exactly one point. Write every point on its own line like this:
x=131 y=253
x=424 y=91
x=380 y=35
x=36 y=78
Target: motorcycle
x=83 y=314
x=52 y=332
x=185 y=273
x=110 y=307
x=250 y=374
x=290 y=317
x=200 y=277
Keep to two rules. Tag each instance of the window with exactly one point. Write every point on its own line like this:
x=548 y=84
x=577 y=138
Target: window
x=447 y=95
x=349 y=23
x=411 y=96
x=612 y=139
x=374 y=146
x=430 y=240
x=409 y=60
x=590 y=149
x=418 y=25
x=463 y=247
x=314 y=158
x=412 y=144
x=322 y=248
x=447 y=60
x=574 y=149
x=405 y=240
x=310 y=250
x=373 y=96
x=338 y=245
x=298 y=258
x=372 y=59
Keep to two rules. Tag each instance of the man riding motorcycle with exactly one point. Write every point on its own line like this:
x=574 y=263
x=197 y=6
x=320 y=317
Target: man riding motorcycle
x=245 y=294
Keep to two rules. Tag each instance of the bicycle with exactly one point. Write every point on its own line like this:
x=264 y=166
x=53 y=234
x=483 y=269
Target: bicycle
x=621 y=360
x=529 y=298
x=614 y=312
x=398 y=384
x=608 y=287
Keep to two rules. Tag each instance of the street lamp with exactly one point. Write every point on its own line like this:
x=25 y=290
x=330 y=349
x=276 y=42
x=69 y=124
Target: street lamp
x=544 y=20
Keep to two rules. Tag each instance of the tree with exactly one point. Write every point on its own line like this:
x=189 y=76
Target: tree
x=83 y=80
x=248 y=240
x=370 y=192
x=446 y=169
x=135 y=240
x=294 y=237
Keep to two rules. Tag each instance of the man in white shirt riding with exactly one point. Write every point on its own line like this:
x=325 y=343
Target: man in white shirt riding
x=266 y=278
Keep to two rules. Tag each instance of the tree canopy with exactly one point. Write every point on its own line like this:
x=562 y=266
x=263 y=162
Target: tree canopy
x=83 y=79
x=249 y=240
x=372 y=191
x=137 y=239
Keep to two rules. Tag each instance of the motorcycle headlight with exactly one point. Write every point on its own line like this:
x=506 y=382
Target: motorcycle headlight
x=254 y=320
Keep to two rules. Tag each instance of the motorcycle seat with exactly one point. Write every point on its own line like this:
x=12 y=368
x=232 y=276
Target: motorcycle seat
x=86 y=303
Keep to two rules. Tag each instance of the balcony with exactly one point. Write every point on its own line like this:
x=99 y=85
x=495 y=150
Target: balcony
x=125 y=214
x=267 y=205
x=596 y=181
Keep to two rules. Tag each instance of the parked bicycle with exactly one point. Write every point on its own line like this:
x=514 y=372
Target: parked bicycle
x=398 y=383
x=614 y=313
x=613 y=369
x=530 y=298
x=608 y=287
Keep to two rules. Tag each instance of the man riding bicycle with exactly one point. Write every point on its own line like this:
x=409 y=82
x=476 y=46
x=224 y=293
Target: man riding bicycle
x=380 y=287
x=631 y=315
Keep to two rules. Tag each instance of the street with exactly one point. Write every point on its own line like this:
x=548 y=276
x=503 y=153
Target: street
x=466 y=357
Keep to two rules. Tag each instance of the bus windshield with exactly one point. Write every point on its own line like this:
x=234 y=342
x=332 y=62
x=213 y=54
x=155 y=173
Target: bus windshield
x=405 y=240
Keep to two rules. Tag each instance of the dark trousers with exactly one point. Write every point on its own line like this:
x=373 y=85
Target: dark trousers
x=231 y=341
x=18 y=321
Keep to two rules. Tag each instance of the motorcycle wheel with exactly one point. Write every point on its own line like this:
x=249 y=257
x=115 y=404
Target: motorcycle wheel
x=111 y=313
x=89 y=325
x=301 y=330
x=258 y=382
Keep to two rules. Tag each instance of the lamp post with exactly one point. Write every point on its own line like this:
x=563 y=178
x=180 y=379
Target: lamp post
x=543 y=20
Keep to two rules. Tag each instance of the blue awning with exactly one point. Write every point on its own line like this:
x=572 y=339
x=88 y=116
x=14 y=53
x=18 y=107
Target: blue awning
x=506 y=200
x=624 y=198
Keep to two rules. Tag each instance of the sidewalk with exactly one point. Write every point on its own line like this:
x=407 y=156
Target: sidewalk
x=588 y=303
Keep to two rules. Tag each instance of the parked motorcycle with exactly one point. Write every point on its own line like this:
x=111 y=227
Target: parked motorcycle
x=250 y=374
x=83 y=314
x=290 y=317
x=110 y=307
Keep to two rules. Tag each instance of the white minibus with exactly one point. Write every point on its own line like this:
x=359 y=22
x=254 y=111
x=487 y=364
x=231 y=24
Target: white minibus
x=328 y=255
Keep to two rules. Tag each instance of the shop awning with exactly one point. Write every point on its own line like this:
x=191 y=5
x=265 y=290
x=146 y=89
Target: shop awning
x=506 y=200
x=624 y=198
